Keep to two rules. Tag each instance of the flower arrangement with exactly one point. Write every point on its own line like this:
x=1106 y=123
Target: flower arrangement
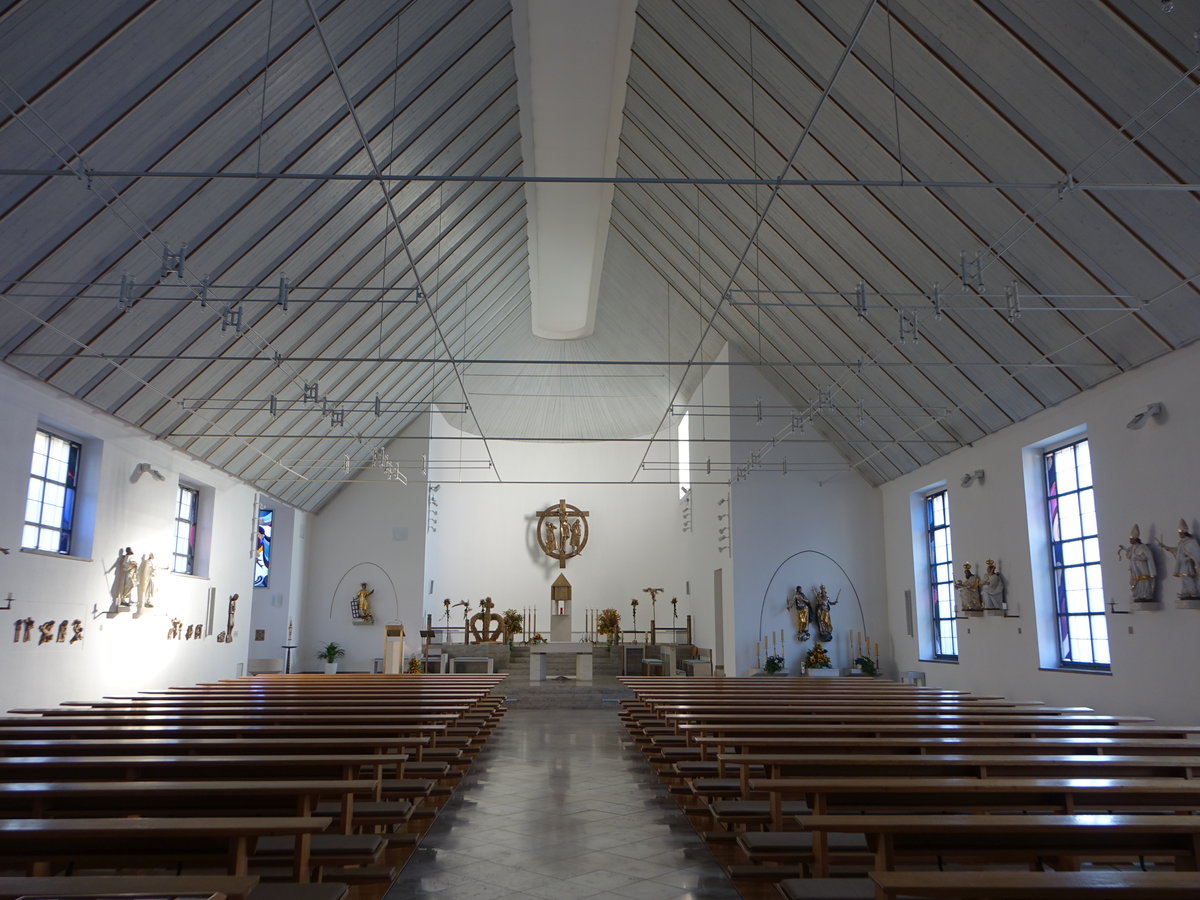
x=511 y=622
x=414 y=665
x=773 y=664
x=866 y=665
x=607 y=623
x=817 y=657
x=537 y=639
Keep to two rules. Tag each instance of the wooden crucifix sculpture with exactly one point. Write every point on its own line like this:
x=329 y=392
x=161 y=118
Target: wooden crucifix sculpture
x=562 y=531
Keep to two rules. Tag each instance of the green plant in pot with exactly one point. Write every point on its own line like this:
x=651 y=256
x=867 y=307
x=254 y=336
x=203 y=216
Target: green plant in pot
x=773 y=665
x=331 y=653
x=866 y=665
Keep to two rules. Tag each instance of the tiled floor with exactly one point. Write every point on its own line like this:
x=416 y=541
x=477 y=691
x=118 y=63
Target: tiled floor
x=559 y=806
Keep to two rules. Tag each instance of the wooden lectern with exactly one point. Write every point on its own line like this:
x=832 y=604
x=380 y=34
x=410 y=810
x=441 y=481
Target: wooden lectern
x=393 y=649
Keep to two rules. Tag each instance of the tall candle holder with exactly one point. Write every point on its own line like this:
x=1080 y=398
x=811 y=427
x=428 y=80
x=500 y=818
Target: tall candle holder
x=634 y=604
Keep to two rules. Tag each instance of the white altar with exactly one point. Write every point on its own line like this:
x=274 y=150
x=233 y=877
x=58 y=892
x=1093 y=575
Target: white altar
x=539 y=652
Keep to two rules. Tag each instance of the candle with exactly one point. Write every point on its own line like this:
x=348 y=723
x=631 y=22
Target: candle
x=877 y=650
x=289 y=631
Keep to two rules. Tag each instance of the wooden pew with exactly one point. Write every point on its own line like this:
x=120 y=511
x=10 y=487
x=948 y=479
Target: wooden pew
x=41 y=846
x=1086 y=885
x=712 y=747
x=385 y=723
x=129 y=886
x=1013 y=794
x=989 y=840
x=779 y=766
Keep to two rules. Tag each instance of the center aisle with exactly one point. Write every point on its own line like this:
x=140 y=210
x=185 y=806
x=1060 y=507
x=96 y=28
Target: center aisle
x=560 y=806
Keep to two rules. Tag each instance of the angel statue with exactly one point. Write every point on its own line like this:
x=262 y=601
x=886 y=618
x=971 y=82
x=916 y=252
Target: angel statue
x=801 y=605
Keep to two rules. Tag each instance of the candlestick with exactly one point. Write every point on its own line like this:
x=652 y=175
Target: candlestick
x=289 y=631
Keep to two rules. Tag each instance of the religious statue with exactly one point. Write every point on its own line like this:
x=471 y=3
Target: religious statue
x=823 y=608
x=145 y=584
x=76 y=630
x=360 y=606
x=1142 y=572
x=966 y=591
x=226 y=636
x=1187 y=562
x=568 y=537
x=45 y=632
x=800 y=603
x=124 y=578
x=991 y=588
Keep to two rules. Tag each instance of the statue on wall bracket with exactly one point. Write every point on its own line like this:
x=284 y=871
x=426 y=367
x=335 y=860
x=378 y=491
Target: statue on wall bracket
x=1187 y=563
x=360 y=606
x=800 y=603
x=562 y=531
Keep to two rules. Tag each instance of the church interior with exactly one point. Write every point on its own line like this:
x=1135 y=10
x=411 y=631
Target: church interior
x=560 y=351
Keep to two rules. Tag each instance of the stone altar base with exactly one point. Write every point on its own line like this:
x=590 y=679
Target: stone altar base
x=499 y=653
x=540 y=653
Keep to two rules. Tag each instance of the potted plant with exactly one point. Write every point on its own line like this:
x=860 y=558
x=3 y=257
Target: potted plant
x=773 y=665
x=866 y=665
x=331 y=653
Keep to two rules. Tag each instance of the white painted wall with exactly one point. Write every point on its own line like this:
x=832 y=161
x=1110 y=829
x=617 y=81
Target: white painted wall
x=279 y=602
x=820 y=510
x=1145 y=476
x=485 y=546
x=701 y=556
x=372 y=531
x=120 y=655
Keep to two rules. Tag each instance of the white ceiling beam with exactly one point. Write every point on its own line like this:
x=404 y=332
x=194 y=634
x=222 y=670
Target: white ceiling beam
x=572 y=61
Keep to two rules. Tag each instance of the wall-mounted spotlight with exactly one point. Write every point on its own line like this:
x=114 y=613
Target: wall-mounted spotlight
x=1153 y=411
x=972 y=477
x=143 y=468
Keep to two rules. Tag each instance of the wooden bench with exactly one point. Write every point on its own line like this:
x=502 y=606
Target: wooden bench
x=993 y=839
x=229 y=886
x=1087 y=885
x=964 y=765
x=42 y=845
x=128 y=887
x=1014 y=794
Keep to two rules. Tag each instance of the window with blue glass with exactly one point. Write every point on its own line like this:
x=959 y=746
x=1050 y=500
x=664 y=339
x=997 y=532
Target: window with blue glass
x=262 y=548
x=187 y=513
x=1082 y=631
x=941 y=575
x=50 y=501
